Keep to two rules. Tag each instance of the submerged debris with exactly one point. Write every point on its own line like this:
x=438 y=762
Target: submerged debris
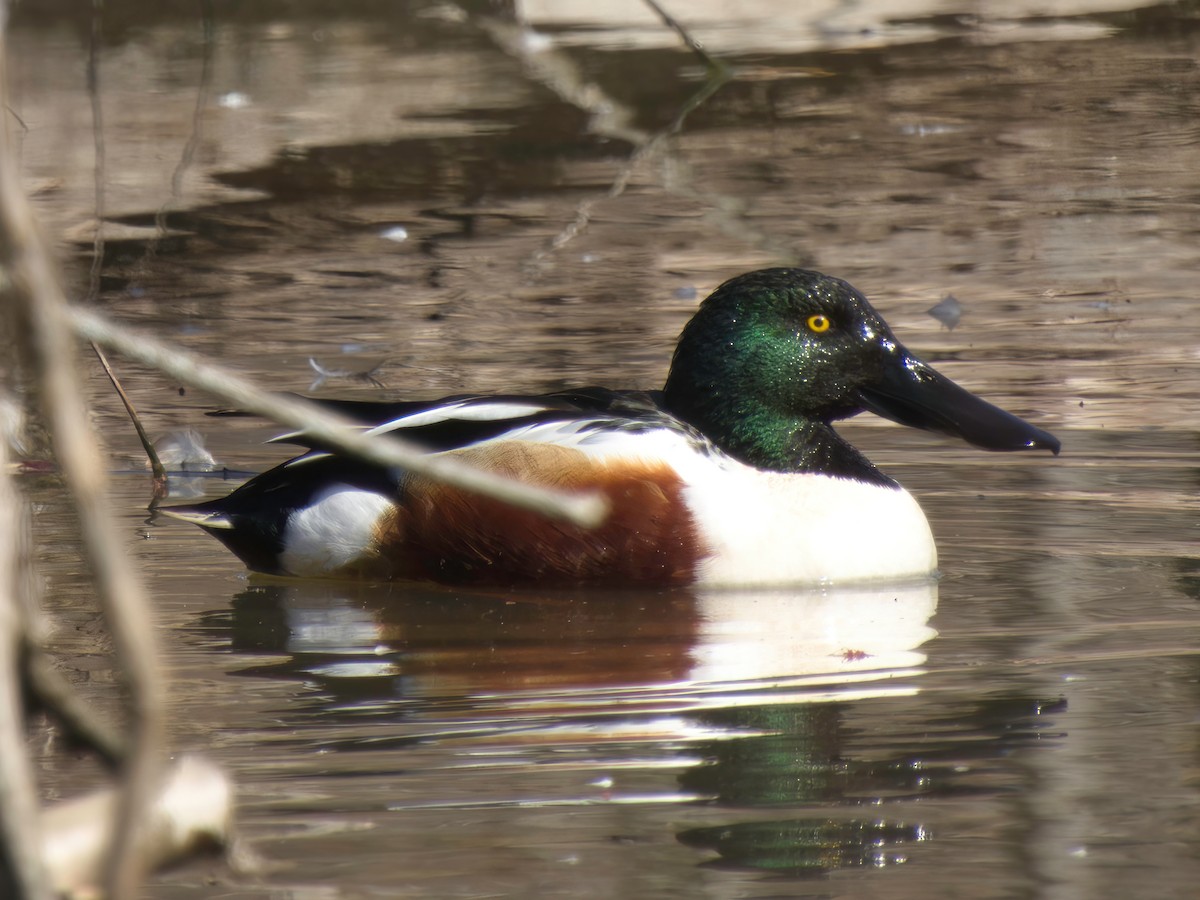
x=184 y=451
x=323 y=374
x=947 y=311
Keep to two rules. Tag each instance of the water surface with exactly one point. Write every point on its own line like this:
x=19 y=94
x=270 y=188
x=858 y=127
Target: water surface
x=453 y=203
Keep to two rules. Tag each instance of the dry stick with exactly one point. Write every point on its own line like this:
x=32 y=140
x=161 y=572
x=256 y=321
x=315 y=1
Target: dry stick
x=722 y=209
x=156 y=467
x=192 y=813
x=12 y=112
x=563 y=76
x=93 y=88
x=160 y=230
x=46 y=686
x=42 y=305
x=76 y=718
x=729 y=221
x=583 y=212
x=344 y=434
x=718 y=72
x=193 y=141
x=20 y=818
x=93 y=85
x=692 y=44
x=128 y=615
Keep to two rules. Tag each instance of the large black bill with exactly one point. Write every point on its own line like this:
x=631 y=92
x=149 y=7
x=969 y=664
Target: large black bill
x=912 y=393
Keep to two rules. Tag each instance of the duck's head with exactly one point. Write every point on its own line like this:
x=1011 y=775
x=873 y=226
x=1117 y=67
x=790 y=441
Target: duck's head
x=772 y=357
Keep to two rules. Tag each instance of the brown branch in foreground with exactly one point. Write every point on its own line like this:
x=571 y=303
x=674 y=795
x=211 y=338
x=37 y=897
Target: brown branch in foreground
x=192 y=813
x=346 y=435
x=21 y=870
x=49 y=688
x=43 y=684
x=128 y=615
x=96 y=845
x=39 y=306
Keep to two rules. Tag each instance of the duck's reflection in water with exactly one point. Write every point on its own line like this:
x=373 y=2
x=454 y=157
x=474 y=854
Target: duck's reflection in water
x=754 y=702
x=362 y=641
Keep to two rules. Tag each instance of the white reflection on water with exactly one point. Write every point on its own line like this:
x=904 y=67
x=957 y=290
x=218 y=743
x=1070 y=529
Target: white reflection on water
x=835 y=631
x=714 y=648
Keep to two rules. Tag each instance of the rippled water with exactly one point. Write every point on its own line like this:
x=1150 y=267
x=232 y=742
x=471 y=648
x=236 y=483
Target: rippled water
x=429 y=195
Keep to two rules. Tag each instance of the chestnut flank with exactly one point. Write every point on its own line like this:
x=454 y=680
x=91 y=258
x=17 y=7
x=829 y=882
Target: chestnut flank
x=445 y=534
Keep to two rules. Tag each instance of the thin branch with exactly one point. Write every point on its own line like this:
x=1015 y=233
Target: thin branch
x=77 y=720
x=156 y=467
x=718 y=76
x=562 y=75
x=43 y=683
x=98 y=165
x=128 y=614
x=193 y=141
x=692 y=44
x=40 y=304
x=585 y=510
x=20 y=820
x=192 y=813
x=93 y=87
x=12 y=112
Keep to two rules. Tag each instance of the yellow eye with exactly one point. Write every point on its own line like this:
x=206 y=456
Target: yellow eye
x=818 y=323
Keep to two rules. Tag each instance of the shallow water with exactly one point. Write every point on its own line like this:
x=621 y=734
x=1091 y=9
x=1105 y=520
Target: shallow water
x=428 y=195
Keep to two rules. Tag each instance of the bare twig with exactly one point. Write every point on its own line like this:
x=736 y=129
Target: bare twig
x=193 y=141
x=586 y=510
x=20 y=820
x=692 y=44
x=610 y=118
x=93 y=87
x=156 y=467
x=44 y=684
x=74 y=716
x=364 y=376
x=12 y=112
x=192 y=812
x=562 y=75
x=41 y=306
x=128 y=615
x=718 y=76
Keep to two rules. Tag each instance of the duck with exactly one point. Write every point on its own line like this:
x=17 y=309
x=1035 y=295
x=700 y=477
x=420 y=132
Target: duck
x=732 y=474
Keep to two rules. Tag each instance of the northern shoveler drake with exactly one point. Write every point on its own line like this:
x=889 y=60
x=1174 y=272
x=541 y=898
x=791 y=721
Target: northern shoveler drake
x=732 y=474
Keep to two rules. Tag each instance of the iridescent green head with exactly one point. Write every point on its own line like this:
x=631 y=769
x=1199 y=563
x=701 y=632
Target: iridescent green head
x=773 y=357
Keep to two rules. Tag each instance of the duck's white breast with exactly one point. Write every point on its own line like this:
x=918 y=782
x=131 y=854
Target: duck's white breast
x=776 y=528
